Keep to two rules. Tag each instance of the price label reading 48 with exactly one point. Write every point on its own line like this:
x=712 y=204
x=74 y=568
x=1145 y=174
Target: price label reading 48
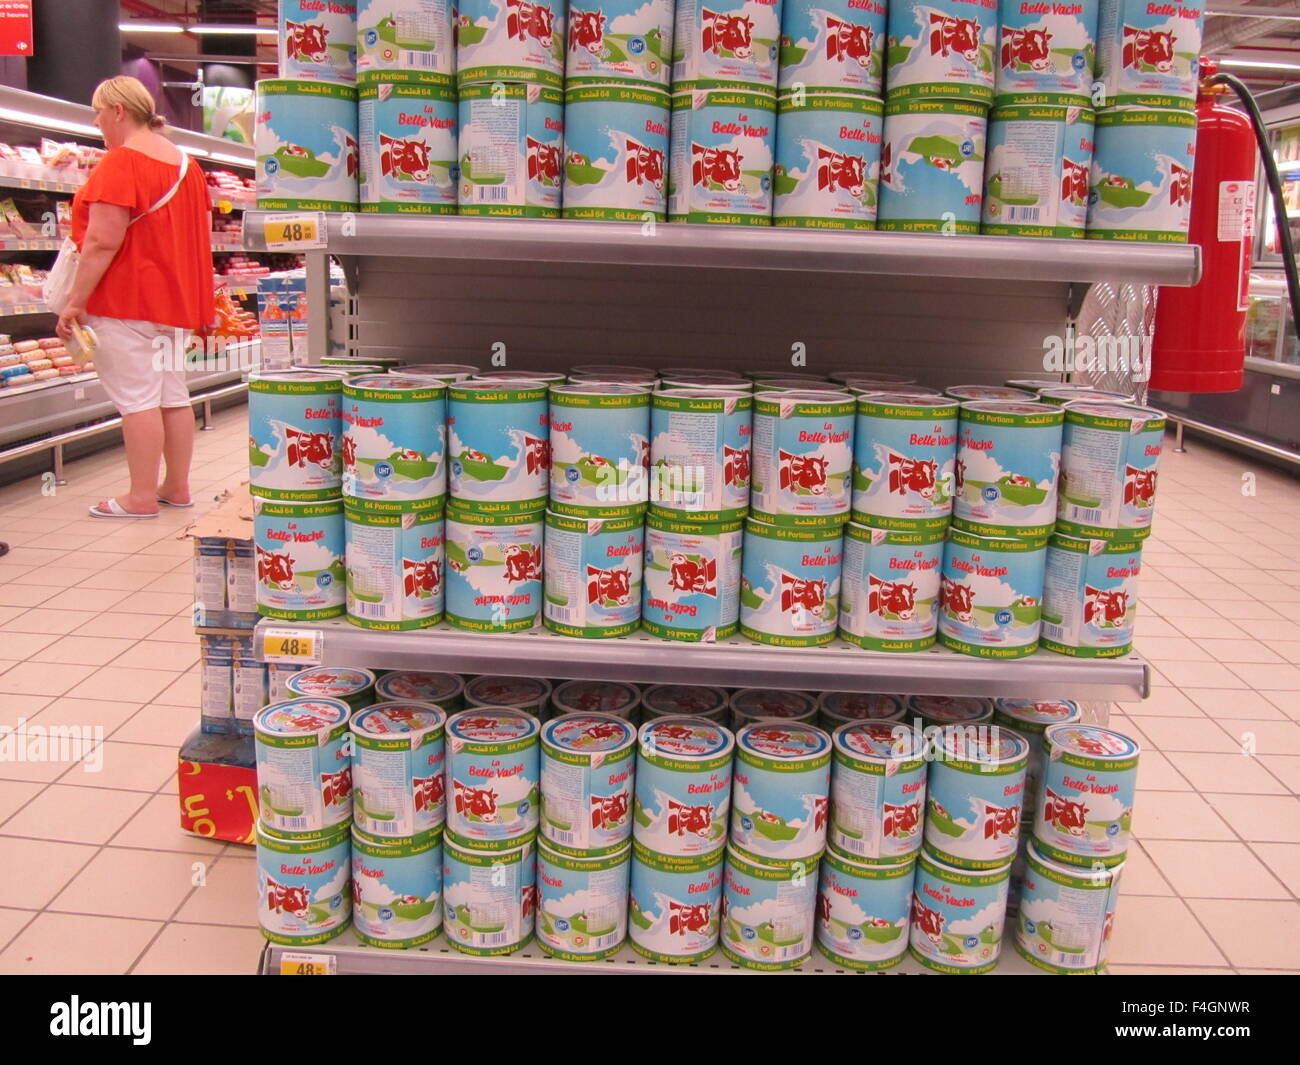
x=294 y=232
x=292 y=646
x=308 y=964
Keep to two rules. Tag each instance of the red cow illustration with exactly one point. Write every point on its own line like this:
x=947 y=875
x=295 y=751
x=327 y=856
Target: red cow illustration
x=1180 y=185
x=306 y=447
x=1001 y=821
x=957 y=599
x=275 y=569
x=1139 y=486
x=337 y=787
x=823 y=906
x=797 y=593
x=806 y=472
x=911 y=475
x=543 y=162
x=356 y=892
x=1026 y=48
x=689 y=820
x=887 y=164
x=527 y=901
x=607 y=811
x=1090 y=746
x=846 y=41
x=927 y=920
x=523 y=562
x=475 y=802
x=429 y=791
x=1105 y=609
x=1074 y=182
x=525 y=19
x=587 y=30
x=408 y=159
x=644 y=164
x=735 y=466
x=674 y=732
x=683 y=919
x=420 y=578
x=716 y=166
x=771 y=735
x=290 y=900
x=838 y=171
x=821 y=808
x=890 y=597
x=645 y=455
x=1149 y=49
x=726 y=33
x=604 y=584
x=1065 y=815
x=688 y=575
x=537 y=454
x=352 y=153
x=1107 y=924
x=348 y=448
x=307 y=42
x=950 y=35
x=602 y=730
x=959 y=474
x=902 y=821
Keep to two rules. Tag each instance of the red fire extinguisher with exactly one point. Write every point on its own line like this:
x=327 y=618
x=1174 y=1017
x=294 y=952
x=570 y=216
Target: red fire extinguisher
x=1200 y=332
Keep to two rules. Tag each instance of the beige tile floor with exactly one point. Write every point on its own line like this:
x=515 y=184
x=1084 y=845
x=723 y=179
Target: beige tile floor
x=96 y=877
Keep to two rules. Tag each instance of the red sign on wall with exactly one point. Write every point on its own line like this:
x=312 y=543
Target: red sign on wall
x=16 y=27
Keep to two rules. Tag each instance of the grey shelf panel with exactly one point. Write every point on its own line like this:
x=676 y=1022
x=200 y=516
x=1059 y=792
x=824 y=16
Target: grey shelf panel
x=906 y=254
x=439 y=959
x=733 y=663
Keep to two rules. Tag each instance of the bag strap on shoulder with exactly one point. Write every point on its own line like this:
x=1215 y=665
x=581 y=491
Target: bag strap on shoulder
x=163 y=200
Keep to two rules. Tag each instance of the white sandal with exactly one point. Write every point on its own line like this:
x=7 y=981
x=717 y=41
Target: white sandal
x=115 y=511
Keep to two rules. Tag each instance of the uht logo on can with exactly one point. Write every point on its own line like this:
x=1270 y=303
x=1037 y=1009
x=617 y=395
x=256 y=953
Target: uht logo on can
x=957 y=916
x=494 y=569
x=790 y=584
x=511 y=150
x=397 y=889
x=692 y=579
x=731 y=42
x=991 y=594
x=1008 y=463
x=827 y=161
x=723 y=143
x=1036 y=178
x=889 y=591
x=833 y=44
x=942 y=49
x=1090 y=596
x=802 y=457
x=300 y=547
x=394 y=440
x=394 y=567
x=932 y=166
x=904 y=450
x=600 y=450
x=683 y=787
x=780 y=800
x=498 y=445
x=1109 y=456
x=294 y=445
x=616 y=153
x=408 y=137
x=593 y=575
x=303 y=887
x=620 y=40
x=1047 y=48
x=405 y=35
x=588 y=761
x=305 y=140
x=494 y=773
x=1085 y=813
x=1140 y=187
x=877 y=793
x=1147 y=52
x=510 y=40
x=318 y=40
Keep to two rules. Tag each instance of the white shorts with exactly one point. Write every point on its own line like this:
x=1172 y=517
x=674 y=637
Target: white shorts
x=140 y=364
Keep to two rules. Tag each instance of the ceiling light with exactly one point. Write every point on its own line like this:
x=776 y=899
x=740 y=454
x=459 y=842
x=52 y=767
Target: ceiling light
x=45 y=122
x=149 y=27
x=1258 y=64
x=171 y=27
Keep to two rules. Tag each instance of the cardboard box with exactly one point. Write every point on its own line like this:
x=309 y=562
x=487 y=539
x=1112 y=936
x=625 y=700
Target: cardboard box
x=216 y=781
x=225 y=567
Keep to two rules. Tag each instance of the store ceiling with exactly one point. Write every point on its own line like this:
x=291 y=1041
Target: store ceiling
x=178 y=47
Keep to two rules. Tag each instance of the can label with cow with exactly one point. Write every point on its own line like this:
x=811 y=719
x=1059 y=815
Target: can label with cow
x=498 y=445
x=494 y=772
x=511 y=150
x=304 y=775
x=1147 y=53
x=692 y=579
x=674 y=907
x=780 y=798
x=833 y=46
x=600 y=450
x=904 y=450
x=768 y=912
x=625 y=41
x=300 y=573
x=394 y=567
x=397 y=889
x=723 y=148
x=510 y=40
x=494 y=569
x=889 y=592
x=616 y=152
x=1090 y=596
x=700 y=453
x=394 y=441
x=405 y=35
x=1046 y=49
x=305 y=141
x=991 y=594
x=957 y=916
x=1065 y=915
x=685 y=700
x=582 y=902
x=932 y=166
x=877 y=792
x=490 y=897
x=790 y=583
x=735 y=42
x=303 y=891
x=596 y=697
x=751 y=705
x=1030 y=720
x=683 y=788
x=863 y=912
x=1008 y=459
x=1036 y=178
x=443 y=690
x=1109 y=455
x=318 y=40
x=942 y=49
x=294 y=435
x=593 y=574
x=802 y=457
x=827 y=161
x=352 y=685
x=1085 y=814
x=398 y=763
x=975 y=797
x=529 y=694
x=588 y=763
x=1140 y=187
x=407 y=129
x=850 y=708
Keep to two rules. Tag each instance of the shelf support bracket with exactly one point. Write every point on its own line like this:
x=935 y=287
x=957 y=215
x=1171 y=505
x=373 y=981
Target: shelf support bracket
x=1075 y=293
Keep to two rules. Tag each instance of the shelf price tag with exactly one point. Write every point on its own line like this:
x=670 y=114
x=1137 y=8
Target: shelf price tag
x=286 y=645
x=294 y=231
x=292 y=964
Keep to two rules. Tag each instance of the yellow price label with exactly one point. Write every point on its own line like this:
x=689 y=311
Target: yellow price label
x=292 y=646
x=308 y=965
x=292 y=232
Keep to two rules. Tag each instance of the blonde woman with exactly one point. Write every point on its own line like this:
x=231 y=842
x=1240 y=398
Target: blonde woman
x=142 y=223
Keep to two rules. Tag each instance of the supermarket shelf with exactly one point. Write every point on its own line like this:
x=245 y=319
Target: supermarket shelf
x=10 y=181
x=735 y=663
x=438 y=959
x=226 y=245
x=20 y=309
x=15 y=244
x=912 y=254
